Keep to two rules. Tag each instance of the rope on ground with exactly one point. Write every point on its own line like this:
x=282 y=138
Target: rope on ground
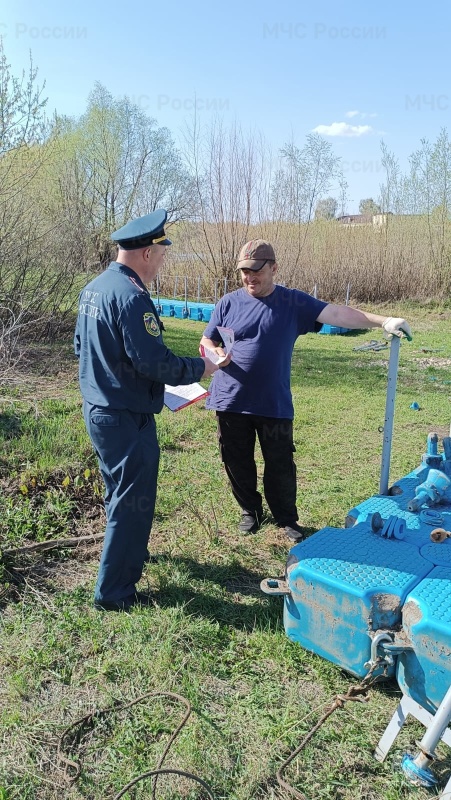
x=157 y=772
x=357 y=693
x=88 y=720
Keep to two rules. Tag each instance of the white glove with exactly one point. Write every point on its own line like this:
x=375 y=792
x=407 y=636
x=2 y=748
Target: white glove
x=395 y=326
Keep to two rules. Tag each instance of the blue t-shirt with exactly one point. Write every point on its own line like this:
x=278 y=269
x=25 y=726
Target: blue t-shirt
x=257 y=380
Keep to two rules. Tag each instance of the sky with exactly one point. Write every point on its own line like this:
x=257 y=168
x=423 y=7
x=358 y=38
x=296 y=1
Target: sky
x=356 y=73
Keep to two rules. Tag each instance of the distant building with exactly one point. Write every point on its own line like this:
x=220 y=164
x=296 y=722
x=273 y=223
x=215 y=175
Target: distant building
x=380 y=220
x=354 y=220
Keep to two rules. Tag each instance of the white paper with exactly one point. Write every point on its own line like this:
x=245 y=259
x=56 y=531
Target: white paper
x=177 y=397
x=228 y=338
x=212 y=356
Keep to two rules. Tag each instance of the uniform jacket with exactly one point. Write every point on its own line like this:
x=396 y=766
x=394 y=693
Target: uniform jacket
x=124 y=362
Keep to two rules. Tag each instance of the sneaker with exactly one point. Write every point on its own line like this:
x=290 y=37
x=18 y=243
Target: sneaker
x=250 y=522
x=294 y=532
x=136 y=599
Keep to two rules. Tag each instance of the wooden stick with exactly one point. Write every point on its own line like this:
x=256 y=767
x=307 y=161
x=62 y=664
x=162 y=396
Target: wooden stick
x=53 y=545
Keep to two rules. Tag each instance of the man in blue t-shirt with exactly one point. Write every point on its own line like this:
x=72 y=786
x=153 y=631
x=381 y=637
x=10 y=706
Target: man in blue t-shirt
x=252 y=395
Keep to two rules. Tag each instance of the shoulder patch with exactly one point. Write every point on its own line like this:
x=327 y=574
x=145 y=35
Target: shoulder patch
x=150 y=323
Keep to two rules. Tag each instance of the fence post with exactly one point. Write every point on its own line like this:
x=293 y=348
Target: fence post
x=198 y=289
x=175 y=286
x=216 y=291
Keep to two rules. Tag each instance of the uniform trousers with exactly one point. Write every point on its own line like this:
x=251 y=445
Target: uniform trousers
x=128 y=453
x=237 y=437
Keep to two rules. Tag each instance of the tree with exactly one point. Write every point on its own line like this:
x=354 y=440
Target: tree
x=230 y=172
x=306 y=174
x=326 y=208
x=368 y=207
x=23 y=154
x=427 y=184
x=425 y=190
x=116 y=163
x=22 y=120
x=390 y=191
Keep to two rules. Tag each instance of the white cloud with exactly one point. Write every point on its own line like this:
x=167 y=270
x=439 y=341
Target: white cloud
x=343 y=129
x=361 y=114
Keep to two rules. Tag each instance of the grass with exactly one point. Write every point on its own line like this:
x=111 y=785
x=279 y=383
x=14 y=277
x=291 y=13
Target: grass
x=211 y=636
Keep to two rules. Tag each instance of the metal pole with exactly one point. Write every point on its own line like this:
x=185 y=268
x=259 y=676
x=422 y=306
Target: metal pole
x=158 y=289
x=225 y=285
x=186 y=293
x=216 y=292
x=348 y=290
x=315 y=294
x=175 y=286
x=198 y=289
x=389 y=413
x=435 y=730
x=417 y=769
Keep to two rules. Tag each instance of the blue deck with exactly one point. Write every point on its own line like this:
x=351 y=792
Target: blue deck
x=348 y=584
x=333 y=330
x=201 y=312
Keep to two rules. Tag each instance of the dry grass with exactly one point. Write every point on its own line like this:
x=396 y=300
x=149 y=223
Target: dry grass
x=409 y=258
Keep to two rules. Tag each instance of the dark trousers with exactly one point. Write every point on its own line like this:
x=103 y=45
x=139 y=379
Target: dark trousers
x=127 y=449
x=237 y=436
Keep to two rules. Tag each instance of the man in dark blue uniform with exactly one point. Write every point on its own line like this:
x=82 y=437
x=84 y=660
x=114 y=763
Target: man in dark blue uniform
x=124 y=365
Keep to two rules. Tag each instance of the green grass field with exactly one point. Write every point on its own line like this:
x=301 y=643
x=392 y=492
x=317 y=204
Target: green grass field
x=211 y=636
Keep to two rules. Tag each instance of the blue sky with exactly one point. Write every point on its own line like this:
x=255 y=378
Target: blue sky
x=355 y=72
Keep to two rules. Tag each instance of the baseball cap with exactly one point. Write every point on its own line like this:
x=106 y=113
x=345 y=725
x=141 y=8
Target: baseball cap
x=254 y=255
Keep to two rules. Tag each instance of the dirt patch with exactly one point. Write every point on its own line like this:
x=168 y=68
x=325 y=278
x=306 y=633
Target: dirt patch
x=433 y=361
x=386 y=602
x=381 y=363
x=411 y=613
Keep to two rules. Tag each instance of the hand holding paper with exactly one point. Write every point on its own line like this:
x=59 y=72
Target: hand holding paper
x=213 y=355
x=221 y=355
x=228 y=337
